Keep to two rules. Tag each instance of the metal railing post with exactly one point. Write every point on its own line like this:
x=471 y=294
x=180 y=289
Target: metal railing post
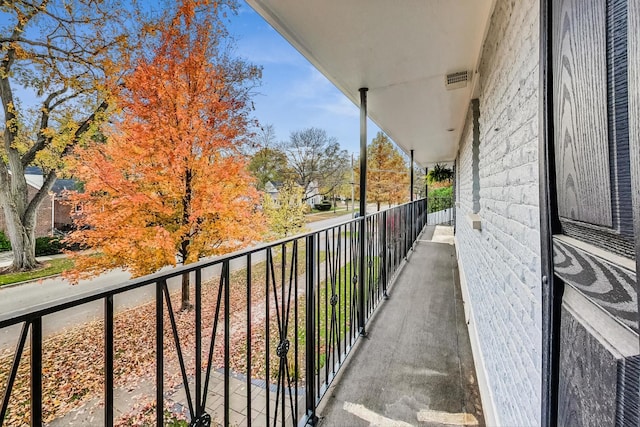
x=36 y=372
x=414 y=226
x=159 y=356
x=362 y=276
x=383 y=273
x=227 y=342
x=412 y=230
x=425 y=211
x=310 y=339
x=426 y=195
x=363 y=207
x=108 y=361
x=199 y=404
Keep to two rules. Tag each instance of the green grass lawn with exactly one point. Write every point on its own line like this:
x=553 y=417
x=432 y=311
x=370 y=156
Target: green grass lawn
x=345 y=316
x=49 y=268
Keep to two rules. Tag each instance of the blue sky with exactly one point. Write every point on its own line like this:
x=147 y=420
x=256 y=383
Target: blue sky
x=294 y=95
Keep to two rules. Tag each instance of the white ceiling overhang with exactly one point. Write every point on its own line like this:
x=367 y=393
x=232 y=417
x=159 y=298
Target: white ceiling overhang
x=401 y=51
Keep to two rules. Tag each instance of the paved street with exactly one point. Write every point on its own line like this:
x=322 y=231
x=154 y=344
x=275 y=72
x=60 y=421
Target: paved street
x=38 y=292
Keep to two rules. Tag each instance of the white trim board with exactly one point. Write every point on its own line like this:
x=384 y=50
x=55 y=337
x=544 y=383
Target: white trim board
x=486 y=395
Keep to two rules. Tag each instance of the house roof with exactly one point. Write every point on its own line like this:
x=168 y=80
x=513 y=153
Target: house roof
x=35 y=178
x=402 y=52
x=271 y=187
x=62 y=185
x=33 y=170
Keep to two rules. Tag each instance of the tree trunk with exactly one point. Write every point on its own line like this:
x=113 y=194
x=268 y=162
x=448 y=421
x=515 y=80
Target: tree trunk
x=184 y=246
x=20 y=214
x=20 y=221
x=186 y=305
x=23 y=243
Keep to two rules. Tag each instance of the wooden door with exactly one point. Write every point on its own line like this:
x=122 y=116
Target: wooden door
x=590 y=60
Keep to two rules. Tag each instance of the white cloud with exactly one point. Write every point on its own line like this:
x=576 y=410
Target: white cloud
x=312 y=85
x=340 y=105
x=267 y=47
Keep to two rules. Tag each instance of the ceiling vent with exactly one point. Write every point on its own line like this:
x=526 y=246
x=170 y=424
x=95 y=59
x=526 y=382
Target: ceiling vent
x=456 y=80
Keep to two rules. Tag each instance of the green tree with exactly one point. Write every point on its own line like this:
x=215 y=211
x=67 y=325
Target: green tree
x=57 y=56
x=344 y=188
x=316 y=157
x=285 y=215
x=269 y=164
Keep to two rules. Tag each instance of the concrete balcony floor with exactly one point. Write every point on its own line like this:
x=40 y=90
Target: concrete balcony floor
x=415 y=367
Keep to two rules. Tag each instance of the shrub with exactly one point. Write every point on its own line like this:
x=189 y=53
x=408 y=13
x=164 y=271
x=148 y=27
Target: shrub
x=44 y=245
x=5 y=244
x=441 y=192
x=48 y=246
x=440 y=199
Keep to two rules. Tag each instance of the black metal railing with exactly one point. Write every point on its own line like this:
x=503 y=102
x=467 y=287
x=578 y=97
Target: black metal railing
x=270 y=328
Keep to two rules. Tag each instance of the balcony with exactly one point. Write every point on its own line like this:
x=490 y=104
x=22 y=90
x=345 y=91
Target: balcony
x=271 y=328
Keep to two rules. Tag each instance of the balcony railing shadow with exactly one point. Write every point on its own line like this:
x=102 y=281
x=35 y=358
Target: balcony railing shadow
x=270 y=329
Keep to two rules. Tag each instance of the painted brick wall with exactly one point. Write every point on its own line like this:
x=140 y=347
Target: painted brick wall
x=501 y=263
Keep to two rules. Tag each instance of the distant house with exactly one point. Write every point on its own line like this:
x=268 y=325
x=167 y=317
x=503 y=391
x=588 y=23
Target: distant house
x=63 y=212
x=312 y=194
x=272 y=189
x=53 y=213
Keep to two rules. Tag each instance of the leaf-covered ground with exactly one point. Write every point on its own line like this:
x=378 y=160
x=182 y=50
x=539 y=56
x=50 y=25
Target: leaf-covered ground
x=73 y=361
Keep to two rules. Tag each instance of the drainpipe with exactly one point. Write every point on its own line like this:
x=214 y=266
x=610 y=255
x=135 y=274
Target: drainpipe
x=363 y=206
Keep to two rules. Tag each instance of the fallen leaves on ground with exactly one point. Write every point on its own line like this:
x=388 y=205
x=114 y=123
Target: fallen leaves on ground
x=73 y=361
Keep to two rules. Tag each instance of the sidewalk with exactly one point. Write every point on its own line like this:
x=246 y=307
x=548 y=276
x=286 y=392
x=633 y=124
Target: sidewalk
x=6 y=258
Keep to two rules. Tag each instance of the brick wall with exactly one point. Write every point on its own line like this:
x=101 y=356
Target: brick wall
x=501 y=263
x=62 y=214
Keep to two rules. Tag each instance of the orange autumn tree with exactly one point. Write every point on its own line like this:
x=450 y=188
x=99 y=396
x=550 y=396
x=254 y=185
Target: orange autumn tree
x=170 y=184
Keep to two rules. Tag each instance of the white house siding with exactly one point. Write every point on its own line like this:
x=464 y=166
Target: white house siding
x=500 y=264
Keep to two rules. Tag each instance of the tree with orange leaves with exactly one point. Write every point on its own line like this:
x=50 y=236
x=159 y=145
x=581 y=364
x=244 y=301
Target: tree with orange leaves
x=170 y=183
